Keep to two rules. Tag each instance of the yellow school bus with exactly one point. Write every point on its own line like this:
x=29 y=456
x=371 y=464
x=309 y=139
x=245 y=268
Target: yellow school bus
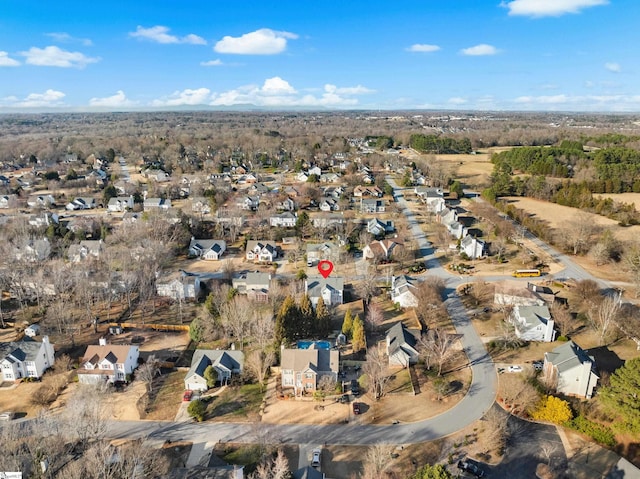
x=526 y=273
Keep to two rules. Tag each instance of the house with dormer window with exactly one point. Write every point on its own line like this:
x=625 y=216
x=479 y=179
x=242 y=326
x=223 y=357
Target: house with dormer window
x=25 y=359
x=330 y=289
x=261 y=250
x=302 y=369
x=107 y=363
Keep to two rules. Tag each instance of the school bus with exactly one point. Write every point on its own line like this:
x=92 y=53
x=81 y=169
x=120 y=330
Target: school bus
x=526 y=273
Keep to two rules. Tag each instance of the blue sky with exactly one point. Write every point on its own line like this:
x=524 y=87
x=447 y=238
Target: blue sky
x=556 y=55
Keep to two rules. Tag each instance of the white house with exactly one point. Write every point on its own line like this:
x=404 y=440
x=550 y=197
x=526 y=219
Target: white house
x=8 y=201
x=320 y=251
x=179 y=286
x=225 y=362
x=108 y=363
x=402 y=348
x=25 y=359
x=328 y=219
x=41 y=201
x=208 y=249
x=372 y=205
x=254 y=284
x=34 y=250
x=379 y=227
x=156 y=203
x=533 y=323
x=32 y=330
x=91 y=249
x=329 y=204
x=261 y=250
x=403 y=291
x=330 y=289
x=81 y=203
x=472 y=247
x=284 y=220
x=120 y=203
x=570 y=370
x=432 y=197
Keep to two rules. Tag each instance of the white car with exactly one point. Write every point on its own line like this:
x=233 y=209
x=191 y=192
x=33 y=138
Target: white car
x=6 y=416
x=315 y=461
x=514 y=369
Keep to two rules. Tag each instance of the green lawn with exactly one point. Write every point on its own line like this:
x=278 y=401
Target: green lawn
x=236 y=403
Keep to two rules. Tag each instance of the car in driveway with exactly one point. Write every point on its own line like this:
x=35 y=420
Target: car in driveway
x=344 y=399
x=7 y=416
x=514 y=369
x=538 y=365
x=356 y=408
x=355 y=387
x=188 y=395
x=471 y=468
x=315 y=458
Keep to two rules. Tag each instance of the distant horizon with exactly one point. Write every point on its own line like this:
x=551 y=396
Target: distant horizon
x=481 y=55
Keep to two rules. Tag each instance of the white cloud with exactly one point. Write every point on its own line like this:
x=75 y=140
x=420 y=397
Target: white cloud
x=423 y=47
x=549 y=8
x=543 y=99
x=63 y=37
x=200 y=96
x=479 y=50
x=261 y=42
x=457 y=100
x=35 y=100
x=278 y=92
x=212 y=63
x=613 y=67
x=6 y=61
x=56 y=57
x=115 y=101
x=160 y=34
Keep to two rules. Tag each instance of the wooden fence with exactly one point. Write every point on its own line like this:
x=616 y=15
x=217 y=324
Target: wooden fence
x=155 y=327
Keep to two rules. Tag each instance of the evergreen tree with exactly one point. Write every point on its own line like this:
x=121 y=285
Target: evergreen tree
x=432 y=472
x=358 y=342
x=307 y=317
x=347 y=324
x=286 y=320
x=323 y=319
x=621 y=396
x=211 y=375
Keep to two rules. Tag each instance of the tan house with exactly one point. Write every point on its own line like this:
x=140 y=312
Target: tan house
x=303 y=369
x=107 y=363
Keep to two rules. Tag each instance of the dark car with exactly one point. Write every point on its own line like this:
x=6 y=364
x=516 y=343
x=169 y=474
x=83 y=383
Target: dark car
x=344 y=399
x=471 y=468
x=355 y=387
x=356 y=408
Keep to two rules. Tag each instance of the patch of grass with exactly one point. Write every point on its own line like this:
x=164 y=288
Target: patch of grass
x=400 y=382
x=236 y=403
x=167 y=396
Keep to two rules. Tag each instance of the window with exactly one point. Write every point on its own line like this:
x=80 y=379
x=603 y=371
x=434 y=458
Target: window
x=309 y=375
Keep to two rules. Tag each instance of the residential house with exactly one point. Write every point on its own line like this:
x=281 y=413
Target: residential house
x=284 y=220
x=120 y=203
x=402 y=346
x=302 y=177
x=403 y=291
x=34 y=250
x=254 y=284
x=226 y=363
x=379 y=227
x=286 y=204
x=432 y=197
x=303 y=369
x=200 y=205
x=4 y=181
x=447 y=216
x=380 y=249
x=533 y=323
x=327 y=220
x=179 y=286
x=42 y=219
x=209 y=249
x=246 y=178
x=81 y=203
x=457 y=229
x=41 y=201
x=329 y=178
x=8 y=201
x=329 y=204
x=371 y=191
x=156 y=175
x=330 y=289
x=570 y=370
x=25 y=359
x=372 y=205
x=108 y=363
x=91 y=249
x=334 y=192
x=229 y=217
x=156 y=204
x=261 y=250
x=474 y=248
x=514 y=293
x=320 y=251
x=248 y=203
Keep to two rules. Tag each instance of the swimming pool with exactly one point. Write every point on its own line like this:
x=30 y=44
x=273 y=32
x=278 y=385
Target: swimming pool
x=317 y=344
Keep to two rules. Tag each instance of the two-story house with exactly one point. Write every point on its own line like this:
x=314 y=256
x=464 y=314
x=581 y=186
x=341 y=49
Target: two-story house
x=320 y=251
x=254 y=284
x=25 y=359
x=86 y=249
x=331 y=290
x=380 y=250
x=120 y=203
x=570 y=370
x=372 y=205
x=379 y=227
x=303 y=369
x=225 y=363
x=179 y=286
x=533 y=323
x=284 y=220
x=474 y=248
x=404 y=291
x=109 y=363
x=402 y=345
x=262 y=250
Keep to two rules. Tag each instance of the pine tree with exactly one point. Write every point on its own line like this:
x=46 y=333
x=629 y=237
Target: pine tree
x=358 y=342
x=307 y=322
x=286 y=320
x=347 y=324
x=621 y=396
x=323 y=319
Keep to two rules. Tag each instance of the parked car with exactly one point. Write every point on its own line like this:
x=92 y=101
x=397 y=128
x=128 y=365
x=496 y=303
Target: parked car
x=514 y=369
x=537 y=365
x=471 y=468
x=188 y=395
x=315 y=461
x=344 y=399
x=356 y=408
x=355 y=387
x=7 y=416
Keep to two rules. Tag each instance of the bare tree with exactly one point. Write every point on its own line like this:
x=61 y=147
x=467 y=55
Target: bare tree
x=430 y=307
x=495 y=431
x=375 y=368
x=368 y=286
x=148 y=371
x=376 y=461
x=86 y=414
x=375 y=315
x=273 y=467
x=236 y=316
x=258 y=363
x=578 y=232
x=631 y=260
x=603 y=316
x=563 y=319
x=517 y=393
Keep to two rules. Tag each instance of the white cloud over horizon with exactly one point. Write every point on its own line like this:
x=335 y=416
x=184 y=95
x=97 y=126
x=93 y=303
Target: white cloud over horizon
x=212 y=63
x=549 y=8
x=260 y=42
x=64 y=37
x=53 y=56
x=160 y=34
x=457 y=100
x=7 y=61
x=480 y=50
x=613 y=67
x=189 y=97
x=50 y=98
x=118 y=100
x=423 y=48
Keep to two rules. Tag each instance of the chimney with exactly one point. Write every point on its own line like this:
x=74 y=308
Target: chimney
x=102 y=341
x=238 y=472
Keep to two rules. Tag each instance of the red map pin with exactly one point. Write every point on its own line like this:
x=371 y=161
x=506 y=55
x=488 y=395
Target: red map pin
x=325 y=267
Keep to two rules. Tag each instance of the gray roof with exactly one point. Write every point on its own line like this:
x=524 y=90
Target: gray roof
x=25 y=350
x=317 y=284
x=208 y=244
x=398 y=335
x=533 y=315
x=568 y=356
x=319 y=360
x=211 y=357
